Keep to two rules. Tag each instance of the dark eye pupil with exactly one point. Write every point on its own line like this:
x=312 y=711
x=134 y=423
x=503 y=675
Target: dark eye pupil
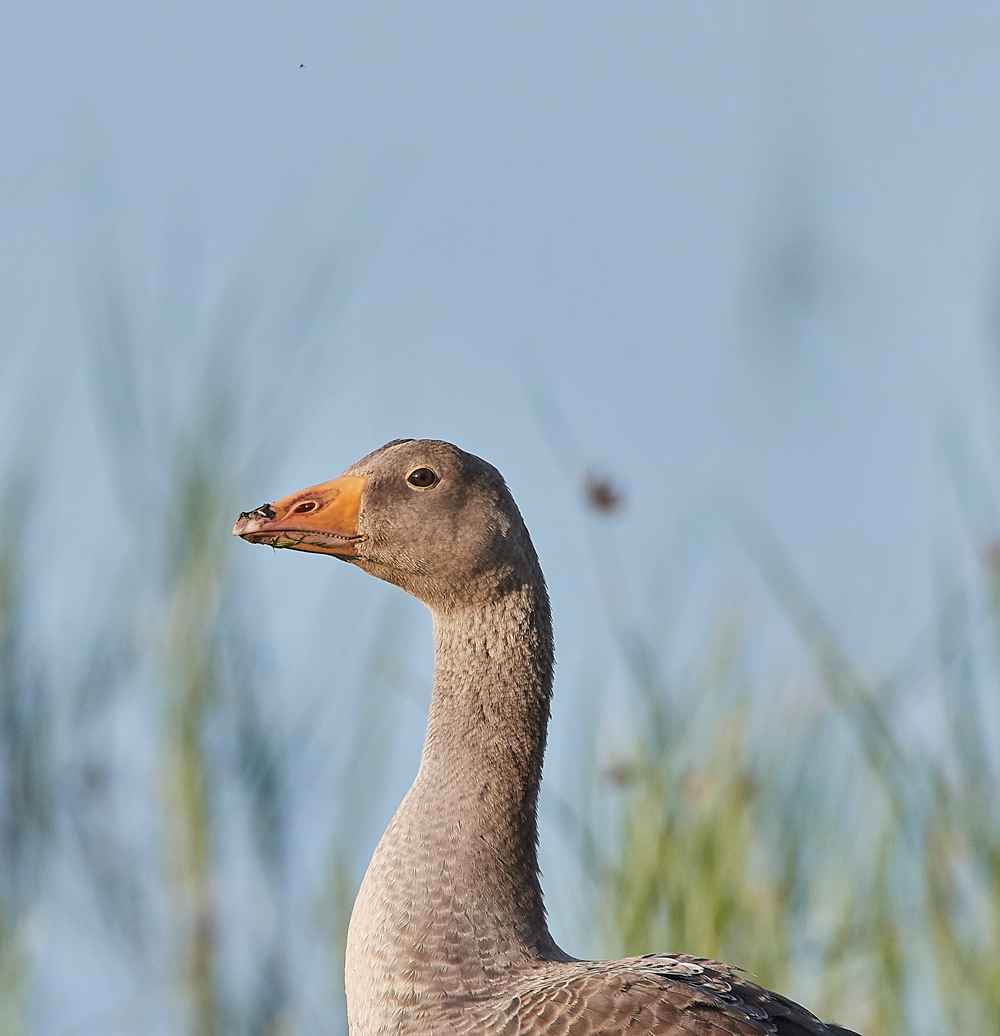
x=421 y=477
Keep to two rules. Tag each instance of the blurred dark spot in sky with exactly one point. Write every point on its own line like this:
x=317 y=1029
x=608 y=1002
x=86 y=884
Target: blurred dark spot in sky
x=602 y=495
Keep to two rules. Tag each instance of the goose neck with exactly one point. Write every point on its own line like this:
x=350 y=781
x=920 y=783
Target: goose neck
x=492 y=685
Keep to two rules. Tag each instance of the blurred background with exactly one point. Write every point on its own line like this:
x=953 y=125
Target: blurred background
x=715 y=285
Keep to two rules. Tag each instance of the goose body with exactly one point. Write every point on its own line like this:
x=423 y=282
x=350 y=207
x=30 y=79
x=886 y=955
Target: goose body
x=448 y=932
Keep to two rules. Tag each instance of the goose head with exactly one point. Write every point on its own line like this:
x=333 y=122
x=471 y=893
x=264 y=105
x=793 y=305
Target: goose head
x=434 y=520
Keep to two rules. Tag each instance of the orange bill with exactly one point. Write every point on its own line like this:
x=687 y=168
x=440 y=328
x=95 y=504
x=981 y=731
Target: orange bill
x=322 y=519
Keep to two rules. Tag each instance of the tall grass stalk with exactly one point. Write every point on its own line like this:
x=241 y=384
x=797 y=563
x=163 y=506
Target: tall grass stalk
x=27 y=759
x=197 y=575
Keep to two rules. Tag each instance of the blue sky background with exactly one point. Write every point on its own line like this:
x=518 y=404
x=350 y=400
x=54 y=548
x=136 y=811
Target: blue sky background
x=747 y=241
x=744 y=247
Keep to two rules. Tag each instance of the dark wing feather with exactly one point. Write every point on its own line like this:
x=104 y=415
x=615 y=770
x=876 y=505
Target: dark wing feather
x=657 y=995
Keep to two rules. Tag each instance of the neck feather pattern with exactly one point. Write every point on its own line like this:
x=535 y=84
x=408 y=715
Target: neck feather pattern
x=451 y=901
x=482 y=757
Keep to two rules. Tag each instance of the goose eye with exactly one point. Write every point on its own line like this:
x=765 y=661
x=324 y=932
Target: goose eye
x=422 y=478
x=306 y=507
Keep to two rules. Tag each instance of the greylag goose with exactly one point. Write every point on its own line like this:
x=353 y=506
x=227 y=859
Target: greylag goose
x=448 y=932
